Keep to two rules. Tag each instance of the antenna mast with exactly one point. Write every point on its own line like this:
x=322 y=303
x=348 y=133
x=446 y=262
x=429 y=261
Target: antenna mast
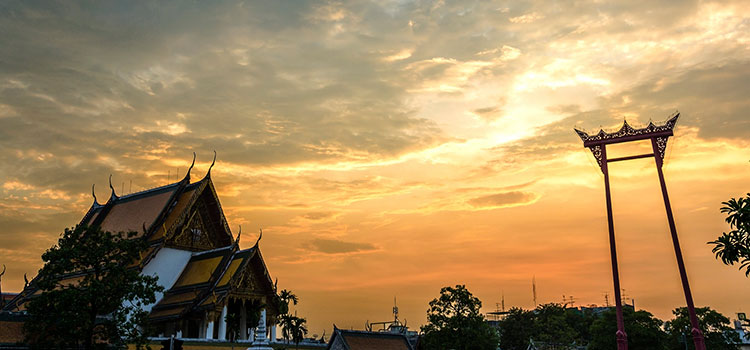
x=502 y=301
x=395 y=310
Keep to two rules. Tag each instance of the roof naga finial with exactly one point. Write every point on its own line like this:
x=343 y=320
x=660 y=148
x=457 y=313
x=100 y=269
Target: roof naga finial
x=25 y=281
x=208 y=174
x=111 y=187
x=259 y=237
x=93 y=193
x=237 y=241
x=2 y=273
x=187 y=175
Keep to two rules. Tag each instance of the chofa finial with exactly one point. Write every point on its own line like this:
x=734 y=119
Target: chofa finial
x=187 y=175
x=208 y=174
x=237 y=241
x=93 y=193
x=111 y=187
x=259 y=237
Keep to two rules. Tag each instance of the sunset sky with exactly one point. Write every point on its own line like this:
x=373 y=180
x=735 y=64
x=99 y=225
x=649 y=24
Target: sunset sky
x=390 y=148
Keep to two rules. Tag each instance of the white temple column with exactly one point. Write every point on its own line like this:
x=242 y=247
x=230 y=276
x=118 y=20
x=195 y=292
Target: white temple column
x=243 y=322
x=210 y=330
x=273 y=332
x=223 y=324
x=252 y=334
x=204 y=324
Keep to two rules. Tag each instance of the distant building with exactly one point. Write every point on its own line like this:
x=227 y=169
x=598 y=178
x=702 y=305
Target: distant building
x=364 y=340
x=11 y=329
x=394 y=327
x=6 y=297
x=741 y=325
x=194 y=254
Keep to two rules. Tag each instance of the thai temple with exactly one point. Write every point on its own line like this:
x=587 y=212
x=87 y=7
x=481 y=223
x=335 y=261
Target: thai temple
x=198 y=261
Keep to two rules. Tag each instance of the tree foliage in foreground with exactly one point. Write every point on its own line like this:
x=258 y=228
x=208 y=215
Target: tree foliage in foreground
x=733 y=247
x=550 y=324
x=516 y=329
x=554 y=326
x=454 y=322
x=643 y=329
x=103 y=304
x=716 y=328
x=293 y=328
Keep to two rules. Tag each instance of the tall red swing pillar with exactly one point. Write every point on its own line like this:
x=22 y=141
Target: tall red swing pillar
x=658 y=134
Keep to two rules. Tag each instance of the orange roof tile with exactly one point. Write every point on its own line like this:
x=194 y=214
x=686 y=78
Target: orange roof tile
x=131 y=214
x=375 y=343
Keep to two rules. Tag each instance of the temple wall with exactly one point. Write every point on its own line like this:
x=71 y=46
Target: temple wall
x=167 y=265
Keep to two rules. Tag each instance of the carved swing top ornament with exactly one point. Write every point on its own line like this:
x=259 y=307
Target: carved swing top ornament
x=660 y=133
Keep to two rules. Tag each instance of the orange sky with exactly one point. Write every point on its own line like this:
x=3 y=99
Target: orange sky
x=389 y=149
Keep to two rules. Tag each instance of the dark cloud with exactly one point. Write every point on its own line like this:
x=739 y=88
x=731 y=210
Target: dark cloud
x=714 y=99
x=260 y=83
x=503 y=199
x=318 y=215
x=333 y=246
x=489 y=113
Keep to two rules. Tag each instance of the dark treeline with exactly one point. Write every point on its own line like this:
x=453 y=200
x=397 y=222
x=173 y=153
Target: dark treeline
x=552 y=326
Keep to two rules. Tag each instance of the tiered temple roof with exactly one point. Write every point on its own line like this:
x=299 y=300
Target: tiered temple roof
x=185 y=217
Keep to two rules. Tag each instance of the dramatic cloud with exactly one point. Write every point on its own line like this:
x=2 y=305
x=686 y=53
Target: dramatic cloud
x=435 y=137
x=332 y=246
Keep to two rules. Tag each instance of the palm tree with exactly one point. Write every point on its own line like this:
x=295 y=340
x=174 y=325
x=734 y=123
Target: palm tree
x=284 y=297
x=233 y=327
x=286 y=323
x=252 y=310
x=294 y=328
x=299 y=330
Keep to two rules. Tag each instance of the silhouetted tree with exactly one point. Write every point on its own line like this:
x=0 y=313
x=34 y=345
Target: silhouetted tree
x=298 y=330
x=233 y=327
x=293 y=328
x=734 y=246
x=454 y=322
x=283 y=298
x=643 y=329
x=516 y=329
x=101 y=303
x=581 y=321
x=253 y=309
x=551 y=326
x=716 y=329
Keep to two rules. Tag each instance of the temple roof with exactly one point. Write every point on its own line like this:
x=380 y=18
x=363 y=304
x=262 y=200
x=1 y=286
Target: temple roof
x=135 y=211
x=210 y=276
x=181 y=215
x=362 y=340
